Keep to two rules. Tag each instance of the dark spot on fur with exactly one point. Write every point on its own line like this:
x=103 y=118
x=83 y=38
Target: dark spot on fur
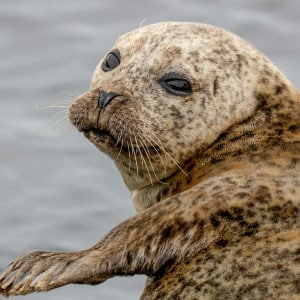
x=221 y=243
x=176 y=188
x=191 y=167
x=242 y=195
x=215 y=160
x=147 y=249
x=289 y=211
x=215 y=86
x=165 y=191
x=189 y=180
x=250 y=204
x=128 y=258
x=225 y=215
x=243 y=223
x=278 y=89
x=236 y=138
x=216 y=188
x=251 y=229
x=222 y=136
x=238 y=153
x=250 y=213
x=249 y=135
x=253 y=147
x=249 y=232
x=219 y=147
x=237 y=213
x=293 y=128
x=262 y=194
x=296 y=286
x=279 y=131
x=275 y=213
x=200 y=225
x=214 y=221
x=167 y=232
x=294 y=161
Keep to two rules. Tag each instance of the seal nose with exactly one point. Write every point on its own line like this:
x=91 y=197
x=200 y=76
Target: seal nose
x=105 y=98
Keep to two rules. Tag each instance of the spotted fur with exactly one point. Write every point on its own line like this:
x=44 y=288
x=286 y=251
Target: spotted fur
x=214 y=175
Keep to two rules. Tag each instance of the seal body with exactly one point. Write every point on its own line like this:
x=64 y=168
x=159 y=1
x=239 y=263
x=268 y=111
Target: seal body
x=205 y=131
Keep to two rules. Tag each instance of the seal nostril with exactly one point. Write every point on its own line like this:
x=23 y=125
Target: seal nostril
x=105 y=98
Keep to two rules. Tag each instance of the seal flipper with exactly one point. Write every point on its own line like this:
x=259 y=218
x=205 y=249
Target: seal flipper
x=133 y=247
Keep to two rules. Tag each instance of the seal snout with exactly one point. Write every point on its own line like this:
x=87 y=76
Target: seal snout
x=105 y=98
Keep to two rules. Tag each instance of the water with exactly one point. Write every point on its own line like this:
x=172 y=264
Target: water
x=57 y=191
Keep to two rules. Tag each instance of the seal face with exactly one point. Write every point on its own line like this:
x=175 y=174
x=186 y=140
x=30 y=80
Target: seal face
x=205 y=131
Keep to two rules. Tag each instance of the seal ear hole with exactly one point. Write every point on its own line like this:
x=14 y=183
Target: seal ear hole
x=111 y=61
x=176 y=84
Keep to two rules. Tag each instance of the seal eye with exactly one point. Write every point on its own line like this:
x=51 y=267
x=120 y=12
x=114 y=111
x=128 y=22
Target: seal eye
x=175 y=84
x=111 y=61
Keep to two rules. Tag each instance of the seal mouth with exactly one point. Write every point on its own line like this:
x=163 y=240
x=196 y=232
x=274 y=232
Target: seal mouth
x=105 y=137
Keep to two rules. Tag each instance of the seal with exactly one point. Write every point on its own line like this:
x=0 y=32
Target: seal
x=205 y=131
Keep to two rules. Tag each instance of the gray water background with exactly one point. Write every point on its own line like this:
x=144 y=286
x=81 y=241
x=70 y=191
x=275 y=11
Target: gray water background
x=57 y=192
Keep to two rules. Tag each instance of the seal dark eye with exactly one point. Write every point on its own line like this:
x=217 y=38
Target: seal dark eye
x=111 y=61
x=175 y=84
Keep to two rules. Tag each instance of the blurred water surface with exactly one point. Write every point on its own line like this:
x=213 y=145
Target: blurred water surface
x=57 y=191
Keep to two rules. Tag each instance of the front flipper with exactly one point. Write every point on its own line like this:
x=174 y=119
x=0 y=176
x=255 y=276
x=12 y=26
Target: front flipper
x=148 y=243
x=43 y=271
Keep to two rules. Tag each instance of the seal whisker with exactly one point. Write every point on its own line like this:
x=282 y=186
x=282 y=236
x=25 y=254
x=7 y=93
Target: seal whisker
x=152 y=142
x=154 y=146
x=69 y=129
x=166 y=152
x=60 y=114
x=120 y=151
x=145 y=148
x=119 y=138
x=57 y=104
x=158 y=142
x=134 y=154
x=130 y=154
x=143 y=159
x=73 y=95
x=62 y=122
x=120 y=132
x=129 y=160
x=59 y=120
x=111 y=124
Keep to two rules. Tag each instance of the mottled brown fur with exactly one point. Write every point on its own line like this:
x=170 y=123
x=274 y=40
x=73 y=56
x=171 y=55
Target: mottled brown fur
x=214 y=175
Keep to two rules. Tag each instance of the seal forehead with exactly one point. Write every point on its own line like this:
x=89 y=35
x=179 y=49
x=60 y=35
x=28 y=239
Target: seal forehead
x=183 y=45
x=162 y=36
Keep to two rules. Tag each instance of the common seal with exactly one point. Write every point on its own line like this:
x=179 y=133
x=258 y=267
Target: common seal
x=205 y=131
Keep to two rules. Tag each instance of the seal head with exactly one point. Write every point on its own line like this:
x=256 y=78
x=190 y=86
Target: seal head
x=164 y=94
